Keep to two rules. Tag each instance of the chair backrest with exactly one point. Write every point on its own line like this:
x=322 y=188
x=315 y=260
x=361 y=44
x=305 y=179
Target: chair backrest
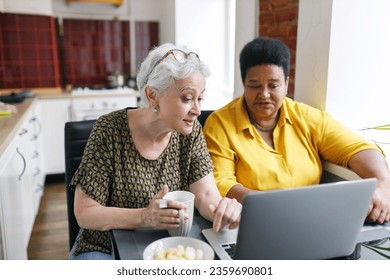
x=76 y=136
x=204 y=115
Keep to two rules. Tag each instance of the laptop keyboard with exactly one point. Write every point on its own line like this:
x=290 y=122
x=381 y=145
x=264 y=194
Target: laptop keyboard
x=230 y=248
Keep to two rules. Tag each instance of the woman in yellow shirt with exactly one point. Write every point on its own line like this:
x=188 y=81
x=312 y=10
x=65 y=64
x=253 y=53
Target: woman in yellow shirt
x=264 y=140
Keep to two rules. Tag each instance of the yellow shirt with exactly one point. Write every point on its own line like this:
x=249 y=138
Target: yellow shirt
x=303 y=137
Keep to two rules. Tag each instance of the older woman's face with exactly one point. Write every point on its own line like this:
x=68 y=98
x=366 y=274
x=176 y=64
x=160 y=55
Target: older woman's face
x=180 y=105
x=265 y=89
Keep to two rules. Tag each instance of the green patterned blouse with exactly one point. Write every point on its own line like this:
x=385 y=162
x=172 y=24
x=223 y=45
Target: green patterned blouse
x=114 y=173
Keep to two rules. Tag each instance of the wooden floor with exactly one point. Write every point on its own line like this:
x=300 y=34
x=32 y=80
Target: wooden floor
x=49 y=239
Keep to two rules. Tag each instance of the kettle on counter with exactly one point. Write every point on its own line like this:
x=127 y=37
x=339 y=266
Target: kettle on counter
x=116 y=79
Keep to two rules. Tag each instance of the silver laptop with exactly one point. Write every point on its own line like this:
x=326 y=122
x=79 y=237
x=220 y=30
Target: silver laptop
x=315 y=222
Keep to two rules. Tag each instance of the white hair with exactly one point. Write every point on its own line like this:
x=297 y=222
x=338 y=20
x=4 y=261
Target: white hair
x=162 y=75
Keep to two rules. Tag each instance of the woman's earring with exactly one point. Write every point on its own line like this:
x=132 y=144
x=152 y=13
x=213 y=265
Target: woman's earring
x=155 y=110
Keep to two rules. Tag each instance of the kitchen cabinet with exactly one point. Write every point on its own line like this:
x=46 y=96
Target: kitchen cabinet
x=90 y=108
x=114 y=2
x=1 y=239
x=95 y=9
x=17 y=173
x=37 y=157
x=55 y=113
x=38 y=7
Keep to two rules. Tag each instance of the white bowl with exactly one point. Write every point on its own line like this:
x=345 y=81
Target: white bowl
x=172 y=242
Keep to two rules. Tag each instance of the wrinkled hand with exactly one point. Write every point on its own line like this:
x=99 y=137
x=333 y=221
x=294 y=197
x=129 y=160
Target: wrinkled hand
x=227 y=213
x=162 y=218
x=379 y=211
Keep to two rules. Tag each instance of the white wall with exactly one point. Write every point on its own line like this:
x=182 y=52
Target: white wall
x=207 y=30
x=343 y=61
x=217 y=30
x=312 y=53
x=247 y=28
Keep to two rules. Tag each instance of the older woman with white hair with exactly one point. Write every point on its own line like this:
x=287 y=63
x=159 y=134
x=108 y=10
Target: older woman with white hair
x=134 y=156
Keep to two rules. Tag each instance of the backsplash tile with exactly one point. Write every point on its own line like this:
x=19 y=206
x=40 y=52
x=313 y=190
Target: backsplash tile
x=28 y=51
x=34 y=54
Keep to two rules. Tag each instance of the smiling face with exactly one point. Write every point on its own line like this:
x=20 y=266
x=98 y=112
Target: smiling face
x=180 y=105
x=265 y=89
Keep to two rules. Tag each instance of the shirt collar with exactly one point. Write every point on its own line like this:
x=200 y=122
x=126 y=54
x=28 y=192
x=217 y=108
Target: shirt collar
x=242 y=117
x=284 y=113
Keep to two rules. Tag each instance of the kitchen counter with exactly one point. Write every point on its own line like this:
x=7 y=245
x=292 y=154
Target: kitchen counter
x=10 y=124
x=89 y=95
x=51 y=93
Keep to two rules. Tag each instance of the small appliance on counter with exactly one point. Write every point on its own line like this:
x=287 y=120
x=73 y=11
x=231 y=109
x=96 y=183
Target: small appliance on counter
x=16 y=97
x=116 y=79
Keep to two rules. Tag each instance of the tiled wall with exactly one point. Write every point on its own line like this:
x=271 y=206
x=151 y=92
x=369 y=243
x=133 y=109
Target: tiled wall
x=83 y=52
x=94 y=49
x=28 y=51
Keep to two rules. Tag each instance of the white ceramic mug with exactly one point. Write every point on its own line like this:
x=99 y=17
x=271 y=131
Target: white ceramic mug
x=185 y=225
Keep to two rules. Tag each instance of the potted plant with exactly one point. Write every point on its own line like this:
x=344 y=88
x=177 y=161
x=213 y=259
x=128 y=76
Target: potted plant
x=378 y=128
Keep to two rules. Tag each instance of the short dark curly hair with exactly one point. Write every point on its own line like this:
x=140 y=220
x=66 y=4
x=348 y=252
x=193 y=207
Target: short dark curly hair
x=264 y=50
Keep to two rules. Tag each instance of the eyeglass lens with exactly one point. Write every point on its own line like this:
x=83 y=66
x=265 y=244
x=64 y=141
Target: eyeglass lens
x=182 y=56
x=177 y=54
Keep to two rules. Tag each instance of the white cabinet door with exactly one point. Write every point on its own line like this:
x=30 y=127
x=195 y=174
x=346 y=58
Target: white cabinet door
x=54 y=115
x=20 y=174
x=2 y=257
x=16 y=195
x=13 y=211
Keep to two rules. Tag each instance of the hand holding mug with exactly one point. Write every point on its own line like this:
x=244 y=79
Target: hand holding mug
x=188 y=199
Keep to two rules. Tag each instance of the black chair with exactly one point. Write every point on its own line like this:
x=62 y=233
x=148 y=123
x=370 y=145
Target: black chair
x=76 y=136
x=204 y=115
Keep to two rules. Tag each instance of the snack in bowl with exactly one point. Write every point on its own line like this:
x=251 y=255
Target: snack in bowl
x=178 y=248
x=179 y=253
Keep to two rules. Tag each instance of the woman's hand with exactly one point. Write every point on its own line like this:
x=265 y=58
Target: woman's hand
x=373 y=164
x=221 y=211
x=162 y=218
x=226 y=213
x=379 y=211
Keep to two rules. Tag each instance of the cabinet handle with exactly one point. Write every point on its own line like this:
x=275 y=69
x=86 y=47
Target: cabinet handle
x=35 y=155
x=39 y=126
x=23 y=131
x=24 y=164
x=37 y=171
